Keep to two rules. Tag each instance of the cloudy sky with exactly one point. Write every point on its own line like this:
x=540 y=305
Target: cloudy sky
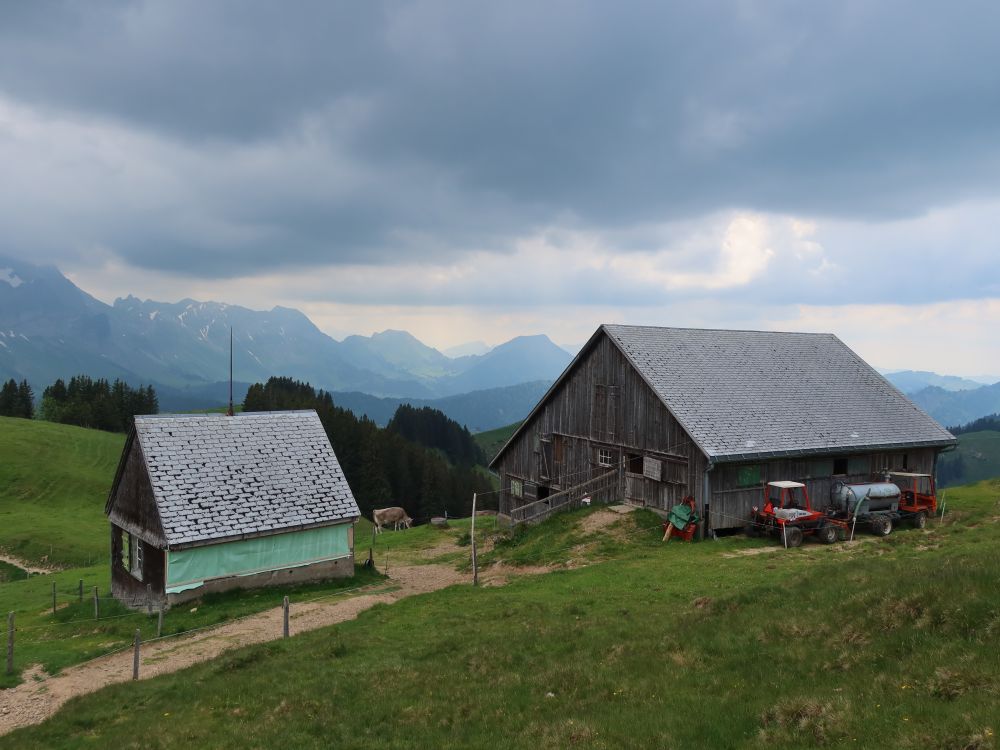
x=481 y=170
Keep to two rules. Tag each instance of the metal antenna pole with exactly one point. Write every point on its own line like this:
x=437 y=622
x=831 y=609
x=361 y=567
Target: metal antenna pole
x=230 y=412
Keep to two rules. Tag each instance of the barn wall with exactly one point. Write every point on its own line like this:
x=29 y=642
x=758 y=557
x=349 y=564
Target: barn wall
x=732 y=499
x=603 y=403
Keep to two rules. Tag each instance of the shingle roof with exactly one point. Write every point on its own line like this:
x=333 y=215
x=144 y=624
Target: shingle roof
x=217 y=477
x=755 y=393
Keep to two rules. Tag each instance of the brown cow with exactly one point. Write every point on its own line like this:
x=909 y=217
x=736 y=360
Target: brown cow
x=396 y=516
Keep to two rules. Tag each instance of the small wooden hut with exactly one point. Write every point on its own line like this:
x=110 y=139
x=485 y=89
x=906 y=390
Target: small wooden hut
x=204 y=503
x=650 y=415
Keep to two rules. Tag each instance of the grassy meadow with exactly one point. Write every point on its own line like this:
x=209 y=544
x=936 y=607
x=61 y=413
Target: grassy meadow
x=735 y=643
x=54 y=481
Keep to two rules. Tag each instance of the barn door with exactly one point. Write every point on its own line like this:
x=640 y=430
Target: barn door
x=633 y=489
x=545 y=468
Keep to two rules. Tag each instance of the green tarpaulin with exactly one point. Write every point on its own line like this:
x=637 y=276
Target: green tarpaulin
x=190 y=568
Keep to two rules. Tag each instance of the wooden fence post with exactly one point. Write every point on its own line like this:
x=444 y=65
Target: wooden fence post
x=135 y=655
x=53 y=597
x=81 y=590
x=10 y=643
x=475 y=559
x=97 y=605
x=159 y=622
x=284 y=606
x=149 y=599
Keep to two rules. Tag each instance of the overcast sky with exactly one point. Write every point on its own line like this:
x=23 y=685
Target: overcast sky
x=481 y=170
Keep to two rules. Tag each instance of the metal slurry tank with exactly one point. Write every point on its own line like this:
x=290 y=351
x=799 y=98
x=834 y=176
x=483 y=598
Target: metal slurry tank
x=873 y=497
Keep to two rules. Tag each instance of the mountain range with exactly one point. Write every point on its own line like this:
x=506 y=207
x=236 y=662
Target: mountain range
x=912 y=381
x=50 y=328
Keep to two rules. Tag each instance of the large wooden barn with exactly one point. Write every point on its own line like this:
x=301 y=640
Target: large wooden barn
x=713 y=414
x=210 y=502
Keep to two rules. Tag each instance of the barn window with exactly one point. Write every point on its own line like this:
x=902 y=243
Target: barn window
x=606 y=457
x=652 y=468
x=840 y=466
x=748 y=476
x=516 y=488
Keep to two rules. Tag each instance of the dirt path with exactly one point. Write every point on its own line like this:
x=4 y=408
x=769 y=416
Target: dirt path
x=40 y=695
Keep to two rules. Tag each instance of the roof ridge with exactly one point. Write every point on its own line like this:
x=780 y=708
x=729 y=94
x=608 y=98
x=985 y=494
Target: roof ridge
x=717 y=330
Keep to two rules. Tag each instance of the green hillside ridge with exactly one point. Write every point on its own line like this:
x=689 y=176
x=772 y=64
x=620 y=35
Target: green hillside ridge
x=54 y=481
x=976 y=458
x=882 y=643
x=492 y=441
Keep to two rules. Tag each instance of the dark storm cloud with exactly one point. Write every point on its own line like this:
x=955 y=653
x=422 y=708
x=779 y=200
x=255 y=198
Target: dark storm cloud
x=296 y=134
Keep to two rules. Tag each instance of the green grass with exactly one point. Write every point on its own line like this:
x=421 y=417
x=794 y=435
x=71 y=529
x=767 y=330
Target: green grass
x=414 y=546
x=54 y=481
x=492 y=441
x=887 y=643
x=71 y=635
x=562 y=541
x=10 y=572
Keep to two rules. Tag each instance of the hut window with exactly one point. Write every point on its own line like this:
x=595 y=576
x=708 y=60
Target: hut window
x=137 y=558
x=840 y=466
x=606 y=457
x=126 y=553
x=516 y=488
x=748 y=476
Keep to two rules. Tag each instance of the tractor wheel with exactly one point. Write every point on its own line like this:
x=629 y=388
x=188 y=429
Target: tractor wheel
x=751 y=530
x=881 y=525
x=920 y=520
x=793 y=536
x=827 y=534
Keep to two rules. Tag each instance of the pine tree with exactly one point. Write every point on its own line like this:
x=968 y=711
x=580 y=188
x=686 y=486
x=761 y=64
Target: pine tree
x=9 y=405
x=26 y=400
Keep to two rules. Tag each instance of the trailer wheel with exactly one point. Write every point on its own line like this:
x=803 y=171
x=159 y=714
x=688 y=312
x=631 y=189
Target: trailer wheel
x=920 y=520
x=881 y=525
x=793 y=536
x=751 y=530
x=827 y=534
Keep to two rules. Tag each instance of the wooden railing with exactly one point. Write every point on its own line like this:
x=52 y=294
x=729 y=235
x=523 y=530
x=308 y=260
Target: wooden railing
x=605 y=488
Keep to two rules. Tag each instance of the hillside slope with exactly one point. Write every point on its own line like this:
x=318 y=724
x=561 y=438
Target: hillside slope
x=54 y=480
x=976 y=458
x=881 y=643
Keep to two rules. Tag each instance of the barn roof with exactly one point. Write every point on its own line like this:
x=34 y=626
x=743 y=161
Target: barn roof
x=216 y=477
x=760 y=394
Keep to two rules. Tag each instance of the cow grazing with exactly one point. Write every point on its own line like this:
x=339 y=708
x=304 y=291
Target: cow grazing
x=396 y=516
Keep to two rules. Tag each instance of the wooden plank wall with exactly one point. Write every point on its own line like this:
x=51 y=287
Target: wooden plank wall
x=133 y=506
x=603 y=403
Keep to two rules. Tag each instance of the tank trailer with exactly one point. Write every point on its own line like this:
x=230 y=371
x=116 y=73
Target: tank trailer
x=788 y=514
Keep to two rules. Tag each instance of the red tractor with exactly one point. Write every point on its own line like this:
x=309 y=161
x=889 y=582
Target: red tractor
x=919 y=496
x=788 y=515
